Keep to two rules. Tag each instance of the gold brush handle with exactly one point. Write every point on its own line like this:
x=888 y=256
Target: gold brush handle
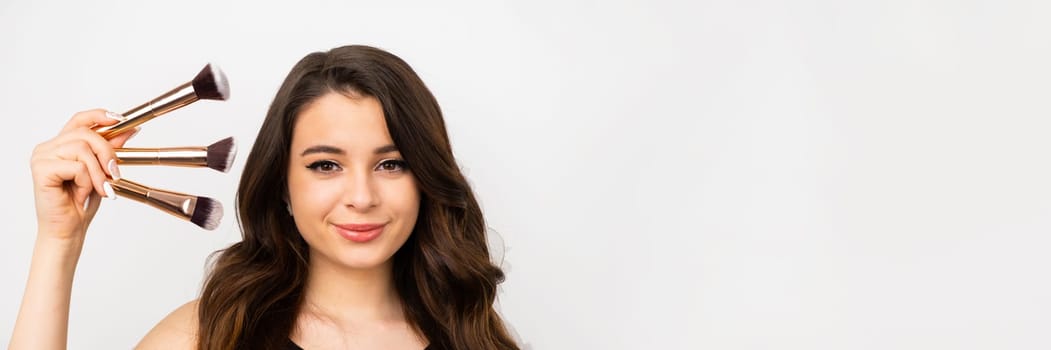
x=169 y=101
x=174 y=156
x=178 y=204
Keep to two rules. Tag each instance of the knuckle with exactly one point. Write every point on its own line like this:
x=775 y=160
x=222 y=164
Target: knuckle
x=91 y=137
x=81 y=145
x=82 y=133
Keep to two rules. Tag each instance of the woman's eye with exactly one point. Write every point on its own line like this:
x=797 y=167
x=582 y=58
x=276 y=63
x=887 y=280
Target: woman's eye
x=393 y=165
x=324 y=166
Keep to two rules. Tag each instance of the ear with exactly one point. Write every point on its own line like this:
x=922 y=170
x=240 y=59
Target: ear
x=288 y=204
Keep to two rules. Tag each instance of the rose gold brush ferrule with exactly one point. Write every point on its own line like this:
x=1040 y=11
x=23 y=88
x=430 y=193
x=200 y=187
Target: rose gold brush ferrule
x=173 y=156
x=170 y=101
x=178 y=204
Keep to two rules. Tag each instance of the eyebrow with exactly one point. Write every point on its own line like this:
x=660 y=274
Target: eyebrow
x=340 y=151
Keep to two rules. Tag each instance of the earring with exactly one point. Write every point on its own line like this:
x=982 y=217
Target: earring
x=288 y=207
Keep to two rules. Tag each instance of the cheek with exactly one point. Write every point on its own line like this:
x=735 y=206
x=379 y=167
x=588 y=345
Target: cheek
x=312 y=198
x=405 y=199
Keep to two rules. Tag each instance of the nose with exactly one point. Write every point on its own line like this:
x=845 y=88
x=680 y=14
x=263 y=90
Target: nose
x=360 y=191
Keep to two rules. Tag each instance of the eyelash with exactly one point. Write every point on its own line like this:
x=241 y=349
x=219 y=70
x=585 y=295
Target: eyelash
x=400 y=164
x=317 y=166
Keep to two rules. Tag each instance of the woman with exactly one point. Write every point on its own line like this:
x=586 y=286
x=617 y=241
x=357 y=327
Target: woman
x=359 y=231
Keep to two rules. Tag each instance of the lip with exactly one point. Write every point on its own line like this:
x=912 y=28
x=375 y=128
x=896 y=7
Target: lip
x=360 y=233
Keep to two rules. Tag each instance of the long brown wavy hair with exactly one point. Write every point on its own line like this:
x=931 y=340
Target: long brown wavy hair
x=443 y=273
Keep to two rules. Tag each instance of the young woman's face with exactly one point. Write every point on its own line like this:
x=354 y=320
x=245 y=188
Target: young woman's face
x=351 y=195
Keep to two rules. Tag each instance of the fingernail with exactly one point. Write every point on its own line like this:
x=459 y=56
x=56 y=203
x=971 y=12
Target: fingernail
x=113 y=170
x=133 y=133
x=109 y=190
x=116 y=116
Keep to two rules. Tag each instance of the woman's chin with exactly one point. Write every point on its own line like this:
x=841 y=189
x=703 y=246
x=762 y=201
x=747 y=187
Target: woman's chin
x=363 y=260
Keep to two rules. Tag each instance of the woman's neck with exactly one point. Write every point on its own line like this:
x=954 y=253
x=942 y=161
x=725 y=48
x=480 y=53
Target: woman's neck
x=351 y=296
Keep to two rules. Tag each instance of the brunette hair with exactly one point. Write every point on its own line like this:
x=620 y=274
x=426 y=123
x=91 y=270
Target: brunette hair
x=443 y=273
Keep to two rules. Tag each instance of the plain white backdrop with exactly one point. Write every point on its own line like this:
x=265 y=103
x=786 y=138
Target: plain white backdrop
x=704 y=174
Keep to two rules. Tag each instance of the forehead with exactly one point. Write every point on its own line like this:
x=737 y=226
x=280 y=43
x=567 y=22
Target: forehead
x=338 y=120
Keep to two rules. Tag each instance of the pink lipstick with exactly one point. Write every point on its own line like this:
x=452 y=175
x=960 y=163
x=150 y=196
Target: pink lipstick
x=360 y=233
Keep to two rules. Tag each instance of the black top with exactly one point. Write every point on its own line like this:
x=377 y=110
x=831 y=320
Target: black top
x=292 y=346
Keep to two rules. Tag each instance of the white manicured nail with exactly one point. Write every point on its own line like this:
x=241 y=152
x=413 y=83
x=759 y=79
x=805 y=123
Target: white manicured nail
x=113 y=170
x=109 y=190
x=115 y=116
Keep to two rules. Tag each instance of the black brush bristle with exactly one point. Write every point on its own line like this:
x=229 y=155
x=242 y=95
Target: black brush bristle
x=221 y=154
x=211 y=84
x=207 y=213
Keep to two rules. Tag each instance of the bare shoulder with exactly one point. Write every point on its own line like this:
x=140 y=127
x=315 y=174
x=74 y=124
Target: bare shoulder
x=178 y=330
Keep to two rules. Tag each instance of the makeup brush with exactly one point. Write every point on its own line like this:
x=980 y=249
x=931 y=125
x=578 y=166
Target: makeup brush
x=201 y=211
x=219 y=156
x=209 y=84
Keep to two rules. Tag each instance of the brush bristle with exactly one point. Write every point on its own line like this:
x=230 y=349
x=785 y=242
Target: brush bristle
x=221 y=154
x=207 y=213
x=211 y=84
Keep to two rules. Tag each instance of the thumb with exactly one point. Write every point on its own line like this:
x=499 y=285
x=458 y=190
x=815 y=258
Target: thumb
x=119 y=140
x=91 y=206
